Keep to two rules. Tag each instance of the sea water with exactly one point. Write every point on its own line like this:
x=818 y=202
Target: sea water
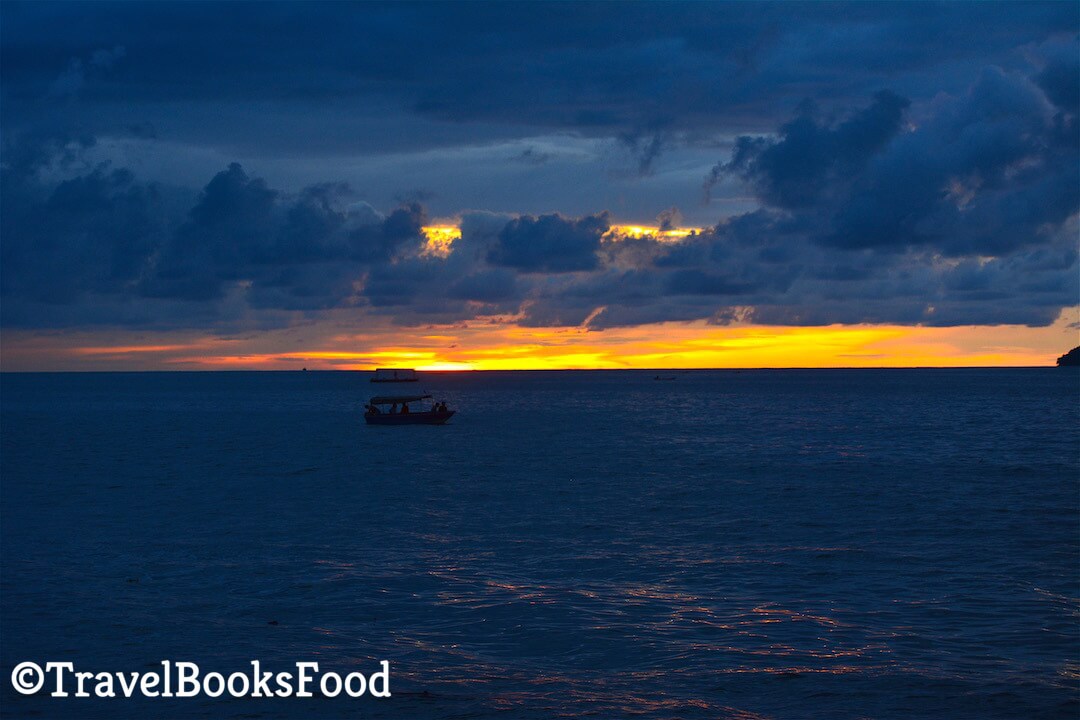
x=756 y=544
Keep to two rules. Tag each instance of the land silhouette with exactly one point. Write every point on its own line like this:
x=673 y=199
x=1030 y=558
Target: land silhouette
x=1070 y=359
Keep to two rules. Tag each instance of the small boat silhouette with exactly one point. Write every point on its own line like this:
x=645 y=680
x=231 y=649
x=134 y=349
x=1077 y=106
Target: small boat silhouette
x=392 y=408
x=399 y=413
x=391 y=375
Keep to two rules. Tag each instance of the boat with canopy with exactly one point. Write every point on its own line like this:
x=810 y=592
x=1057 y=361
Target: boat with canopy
x=402 y=402
x=393 y=375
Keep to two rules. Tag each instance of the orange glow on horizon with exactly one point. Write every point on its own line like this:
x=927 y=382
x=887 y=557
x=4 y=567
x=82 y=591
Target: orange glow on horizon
x=446 y=366
x=501 y=344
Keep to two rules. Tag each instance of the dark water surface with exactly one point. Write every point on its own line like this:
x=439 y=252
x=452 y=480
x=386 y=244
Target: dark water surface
x=782 y=544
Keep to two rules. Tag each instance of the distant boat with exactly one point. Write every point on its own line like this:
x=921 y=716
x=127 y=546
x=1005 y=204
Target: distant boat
x=665 y=377
x=391 y=375
x=393 y=407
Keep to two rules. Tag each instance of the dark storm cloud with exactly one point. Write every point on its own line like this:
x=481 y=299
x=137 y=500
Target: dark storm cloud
x=87 y=234
x=486 y=286
x=760 y=269
x=240 y=229
x=987 y=172
x=102 y=239
x=925 y=173
x=811 y=157
x=400 y=231
x=110 y=254
x=550 y=243
x=1000 y=193
x=698 y=282
x=638 y=72
x=229 y=229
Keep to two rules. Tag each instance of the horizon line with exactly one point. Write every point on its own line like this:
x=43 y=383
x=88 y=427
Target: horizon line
x=538 y=370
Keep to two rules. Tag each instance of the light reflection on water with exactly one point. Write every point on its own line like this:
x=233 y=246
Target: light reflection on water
x=750 y=545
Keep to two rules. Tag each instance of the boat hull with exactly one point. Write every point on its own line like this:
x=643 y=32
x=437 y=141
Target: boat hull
x=415 y=418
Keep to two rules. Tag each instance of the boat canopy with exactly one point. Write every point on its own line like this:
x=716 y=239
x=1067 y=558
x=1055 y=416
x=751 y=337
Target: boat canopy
x=389 y=375
x=391 y=399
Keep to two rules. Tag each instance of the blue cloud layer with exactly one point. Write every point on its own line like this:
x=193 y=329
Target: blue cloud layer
x=878 y=163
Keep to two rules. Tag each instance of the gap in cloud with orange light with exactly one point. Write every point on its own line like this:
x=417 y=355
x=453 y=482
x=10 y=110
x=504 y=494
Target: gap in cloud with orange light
x=439 y=240
x=617 y=232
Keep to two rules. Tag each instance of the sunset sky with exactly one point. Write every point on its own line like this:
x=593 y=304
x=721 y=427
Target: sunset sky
x=522 y=186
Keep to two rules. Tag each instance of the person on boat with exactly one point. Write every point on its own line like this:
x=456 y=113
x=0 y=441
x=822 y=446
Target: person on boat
x=393 y=410
x=404 y=408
